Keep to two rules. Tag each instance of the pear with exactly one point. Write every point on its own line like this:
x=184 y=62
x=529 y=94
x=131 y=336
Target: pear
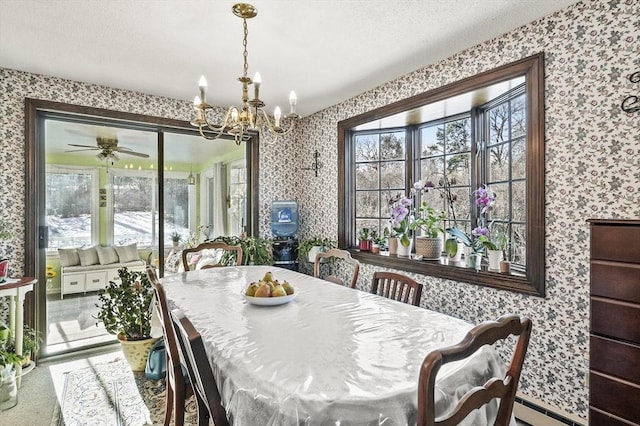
x=278 y=291
x=268 y=277
x=251 y=290
x=263 y=291
x=288 y=288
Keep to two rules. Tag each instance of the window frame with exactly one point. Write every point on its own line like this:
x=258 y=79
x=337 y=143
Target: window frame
x=533 y=280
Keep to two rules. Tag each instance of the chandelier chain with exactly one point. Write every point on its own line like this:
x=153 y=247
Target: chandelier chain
x=244 y=44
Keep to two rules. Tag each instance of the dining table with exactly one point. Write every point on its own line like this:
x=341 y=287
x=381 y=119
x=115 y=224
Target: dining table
x=332 y=355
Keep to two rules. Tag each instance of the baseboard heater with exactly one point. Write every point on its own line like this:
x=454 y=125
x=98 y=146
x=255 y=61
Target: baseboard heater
x=537 y=413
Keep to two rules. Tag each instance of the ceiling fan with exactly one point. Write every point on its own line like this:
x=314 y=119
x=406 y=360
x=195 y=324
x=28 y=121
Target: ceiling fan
x=108 y=148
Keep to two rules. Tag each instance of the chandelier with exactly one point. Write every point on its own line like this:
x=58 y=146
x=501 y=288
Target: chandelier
x=251 y=114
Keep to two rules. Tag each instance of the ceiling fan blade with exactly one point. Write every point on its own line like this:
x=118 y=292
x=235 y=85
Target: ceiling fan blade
x=83 y=146
x=129 y=152
x=80 y=150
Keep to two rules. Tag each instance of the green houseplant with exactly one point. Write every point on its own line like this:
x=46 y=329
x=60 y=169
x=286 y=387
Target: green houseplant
x=307 y=249
x=364 y=239
x=125 y=311
x=255 y=250
x=175 y=238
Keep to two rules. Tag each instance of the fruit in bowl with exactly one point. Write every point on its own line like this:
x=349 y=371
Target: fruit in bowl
x=269 y=287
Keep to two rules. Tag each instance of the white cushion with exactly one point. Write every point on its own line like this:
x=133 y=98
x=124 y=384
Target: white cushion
x=88 y=256
x=209 y=257
x=128 y=253
x=68 y=257
x=107 y=255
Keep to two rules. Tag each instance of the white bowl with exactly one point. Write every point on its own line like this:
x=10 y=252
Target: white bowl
x=270 y=301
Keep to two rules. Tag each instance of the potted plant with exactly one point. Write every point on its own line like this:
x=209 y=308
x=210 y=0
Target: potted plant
x=175 y=238
x=255 y=250
x=377 y=242
x=308 y=249
x=31 y=340
x=125 y=312
x=428 y=221
x=364 y=239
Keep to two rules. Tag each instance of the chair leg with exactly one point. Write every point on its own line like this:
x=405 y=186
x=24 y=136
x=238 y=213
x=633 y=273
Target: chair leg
x=179 y=401
x=169 y=402
x=203 y=413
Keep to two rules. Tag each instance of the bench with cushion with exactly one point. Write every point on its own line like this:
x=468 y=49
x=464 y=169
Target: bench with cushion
x=91 y=268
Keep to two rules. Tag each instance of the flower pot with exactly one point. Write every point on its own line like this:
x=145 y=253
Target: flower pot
x=473 y=260
x=393 y=246
x=365 y=245
x=375 y=248
x=495 y=256
x=429 y=248
x=505 y=267
x=454 y=249
x=404 y=250
x=137 y=351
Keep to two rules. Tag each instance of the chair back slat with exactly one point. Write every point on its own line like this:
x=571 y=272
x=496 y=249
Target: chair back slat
x=339 y=254
x=397 y=287
x=505 y=388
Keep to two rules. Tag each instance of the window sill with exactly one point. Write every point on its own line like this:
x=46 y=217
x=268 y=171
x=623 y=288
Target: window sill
x=456 y=272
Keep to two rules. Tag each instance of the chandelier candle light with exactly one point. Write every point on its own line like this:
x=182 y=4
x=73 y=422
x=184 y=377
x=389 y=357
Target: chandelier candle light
x=251 y=115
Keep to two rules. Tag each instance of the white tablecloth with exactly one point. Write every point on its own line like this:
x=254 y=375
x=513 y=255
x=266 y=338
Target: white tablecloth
x=332 y=356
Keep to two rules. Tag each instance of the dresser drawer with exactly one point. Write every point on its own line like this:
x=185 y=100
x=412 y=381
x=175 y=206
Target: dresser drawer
x=95 y=281
x=616 y=280
x=615 y=358
x=615 y=242
x=615 y=319
x=615 y=397
x=73 y=283
x=598 y=418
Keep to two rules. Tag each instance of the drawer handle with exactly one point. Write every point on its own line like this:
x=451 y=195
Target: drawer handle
x=96 y=281
x=73 y=283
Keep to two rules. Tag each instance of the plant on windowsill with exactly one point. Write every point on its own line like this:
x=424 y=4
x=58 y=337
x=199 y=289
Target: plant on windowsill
x=364 y=239
x=429 y=222
x=377 y=242
x=307 y=249
x=125 y=311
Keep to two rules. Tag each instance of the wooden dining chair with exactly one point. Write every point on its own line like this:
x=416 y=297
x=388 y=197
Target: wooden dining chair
x=397 y=287
x=202 y=378
x=486 y=333
x=337 y=254
x=178 y=388
x=187 y=255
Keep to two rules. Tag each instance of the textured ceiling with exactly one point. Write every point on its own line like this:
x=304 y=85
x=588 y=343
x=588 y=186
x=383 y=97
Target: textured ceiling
x=327 y=50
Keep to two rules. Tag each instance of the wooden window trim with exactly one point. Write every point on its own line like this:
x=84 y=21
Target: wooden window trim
x=533 y=282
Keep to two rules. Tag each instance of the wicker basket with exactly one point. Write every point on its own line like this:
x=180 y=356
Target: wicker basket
x=429 y=248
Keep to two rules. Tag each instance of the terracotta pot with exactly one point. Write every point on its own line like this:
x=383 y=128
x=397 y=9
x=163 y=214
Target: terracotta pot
x=365 y=245
x=137 y=351
x=375 y=248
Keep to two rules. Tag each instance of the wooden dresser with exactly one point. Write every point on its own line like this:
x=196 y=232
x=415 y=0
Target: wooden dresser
x=614 y=376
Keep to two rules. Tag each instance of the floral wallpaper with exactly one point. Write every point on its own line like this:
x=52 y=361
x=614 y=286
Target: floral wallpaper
x=592 y=170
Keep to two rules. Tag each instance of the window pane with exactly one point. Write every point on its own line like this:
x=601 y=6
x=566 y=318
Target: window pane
x=458 y=169
x=369 y=223
x=392 y=175
x=503 y=199
x=431 y=169
x=431 y=141
x=458 y=136
x=519 y=159
x=367 y=204
x=499 y=124
x=519 y=201
x=518 y=117
x=367 y=176
x=366 y=148
x=392 y=146
x=135 y=214
x=68 y=203
x=519 y=245
x=176 y=209
x=498 y=163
